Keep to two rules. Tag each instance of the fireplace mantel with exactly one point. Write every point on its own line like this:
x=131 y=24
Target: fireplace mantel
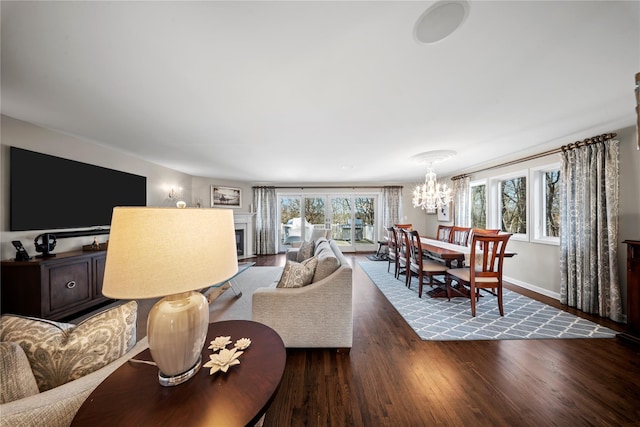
x=244 y=221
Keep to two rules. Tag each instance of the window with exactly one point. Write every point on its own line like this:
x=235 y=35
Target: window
x=478 y=204
x=505 y=202
x=513 y=205
x=546 y=205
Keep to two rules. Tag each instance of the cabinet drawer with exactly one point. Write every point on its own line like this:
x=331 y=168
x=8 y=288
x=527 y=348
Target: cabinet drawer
x=69 y=285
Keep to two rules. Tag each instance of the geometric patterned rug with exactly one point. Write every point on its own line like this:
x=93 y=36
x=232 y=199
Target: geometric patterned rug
x=439 y=319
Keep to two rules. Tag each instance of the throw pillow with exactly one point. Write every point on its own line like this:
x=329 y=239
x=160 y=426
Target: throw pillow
x=17 y=378
x=62 y=352
x=305 y=251
x=297 y=275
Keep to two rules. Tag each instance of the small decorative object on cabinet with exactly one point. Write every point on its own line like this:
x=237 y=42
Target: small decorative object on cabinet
x=633 y=291
x=53 y=288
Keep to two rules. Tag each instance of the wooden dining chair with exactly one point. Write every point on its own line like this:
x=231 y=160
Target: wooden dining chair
x=485 y=271
x=459 y=235
x=403 y=253
x=421 y=266
x=444 y=233
x=392 y=255
x=482 y=231
x=405 y=226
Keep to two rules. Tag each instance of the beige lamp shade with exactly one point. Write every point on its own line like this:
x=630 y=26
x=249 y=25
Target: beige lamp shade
x=154 y=252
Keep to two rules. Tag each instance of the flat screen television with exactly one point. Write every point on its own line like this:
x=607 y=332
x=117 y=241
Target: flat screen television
x=48 y=192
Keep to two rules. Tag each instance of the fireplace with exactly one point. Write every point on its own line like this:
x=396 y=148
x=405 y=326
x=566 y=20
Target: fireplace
x=244 y=234
x=240 y=241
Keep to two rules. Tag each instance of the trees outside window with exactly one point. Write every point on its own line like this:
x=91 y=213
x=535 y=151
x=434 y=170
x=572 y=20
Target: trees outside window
x=552 y=203
x=314 y=210
x=513 y=205
x=289 y=208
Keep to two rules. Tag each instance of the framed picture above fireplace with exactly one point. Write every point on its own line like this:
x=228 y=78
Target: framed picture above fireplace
x=226 y=197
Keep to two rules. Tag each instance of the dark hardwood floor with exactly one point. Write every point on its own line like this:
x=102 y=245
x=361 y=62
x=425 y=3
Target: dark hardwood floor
x=392 y=378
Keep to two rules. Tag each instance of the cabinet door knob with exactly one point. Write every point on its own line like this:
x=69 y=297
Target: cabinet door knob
x=71 y=284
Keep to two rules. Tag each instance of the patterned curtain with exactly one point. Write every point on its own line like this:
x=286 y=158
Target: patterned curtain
x=265 y=202
x=589 y=228
x=391 y=206
x=462 y=202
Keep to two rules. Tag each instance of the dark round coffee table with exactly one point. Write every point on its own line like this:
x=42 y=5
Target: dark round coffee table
x=132 y=396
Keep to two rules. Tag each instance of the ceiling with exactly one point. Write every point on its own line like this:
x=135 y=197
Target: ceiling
x=320 y=92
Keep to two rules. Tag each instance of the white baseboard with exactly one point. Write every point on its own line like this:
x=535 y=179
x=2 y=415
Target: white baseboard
x=539 y=290
x=533 y=288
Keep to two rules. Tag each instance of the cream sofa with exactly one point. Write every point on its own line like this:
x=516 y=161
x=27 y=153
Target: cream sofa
x=106 y=340
x=318 y=315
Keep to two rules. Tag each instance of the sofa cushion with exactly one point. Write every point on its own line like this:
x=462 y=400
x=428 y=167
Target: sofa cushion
x=17 y=378
x=305 y=251
x=298 y=274
x=62 y=352
x=327 y=261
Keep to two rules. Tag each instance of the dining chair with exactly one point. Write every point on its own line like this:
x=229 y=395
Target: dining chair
x=475 y=230
x=421 y=266
x=485 y=271
x=444 y=233
x=403 y=253
x=405 y=226
x=459 y=235
x=392 y=255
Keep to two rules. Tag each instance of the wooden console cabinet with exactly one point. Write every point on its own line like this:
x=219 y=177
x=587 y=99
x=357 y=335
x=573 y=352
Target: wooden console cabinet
x=633 y=291
x=53 y=288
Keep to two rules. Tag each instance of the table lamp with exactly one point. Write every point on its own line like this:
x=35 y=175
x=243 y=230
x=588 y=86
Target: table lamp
x=171 y=253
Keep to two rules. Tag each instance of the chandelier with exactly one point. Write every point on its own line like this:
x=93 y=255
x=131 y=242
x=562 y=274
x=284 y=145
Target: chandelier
x=431 y=195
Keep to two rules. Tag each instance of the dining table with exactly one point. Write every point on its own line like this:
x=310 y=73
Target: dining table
x=453 y=256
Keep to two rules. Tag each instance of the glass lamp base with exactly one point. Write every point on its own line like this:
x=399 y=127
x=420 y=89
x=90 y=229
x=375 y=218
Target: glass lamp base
x=171 y=380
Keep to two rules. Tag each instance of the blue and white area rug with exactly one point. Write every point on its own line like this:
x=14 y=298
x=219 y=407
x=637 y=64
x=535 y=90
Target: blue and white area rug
x=439 y=319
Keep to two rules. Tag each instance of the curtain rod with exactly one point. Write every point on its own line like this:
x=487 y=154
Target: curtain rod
x=588 y=141
x=328 y=187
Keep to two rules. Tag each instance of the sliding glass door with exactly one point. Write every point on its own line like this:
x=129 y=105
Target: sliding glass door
x=350 y=217
x=341 y=221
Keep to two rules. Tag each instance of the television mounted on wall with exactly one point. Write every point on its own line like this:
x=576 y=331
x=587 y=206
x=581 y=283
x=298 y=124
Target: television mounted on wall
x=48 y=192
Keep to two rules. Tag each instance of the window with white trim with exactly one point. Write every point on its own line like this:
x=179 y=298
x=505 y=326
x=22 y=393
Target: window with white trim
x=513 y=205
x=507 y=204
x=546 y=204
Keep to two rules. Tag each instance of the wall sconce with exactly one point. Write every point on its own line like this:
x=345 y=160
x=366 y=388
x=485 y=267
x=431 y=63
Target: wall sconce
x=175 y=195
